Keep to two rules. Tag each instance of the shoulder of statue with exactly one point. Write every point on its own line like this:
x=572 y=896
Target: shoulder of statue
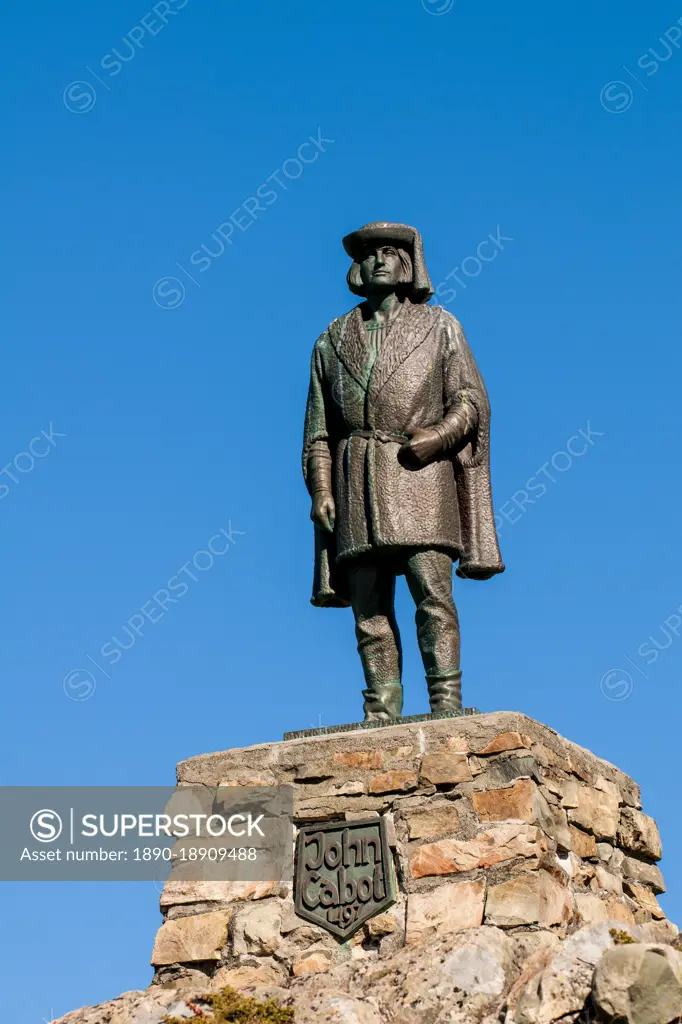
x=341 y=320
x=323 y=338
x=334 y=331
x=447 y=320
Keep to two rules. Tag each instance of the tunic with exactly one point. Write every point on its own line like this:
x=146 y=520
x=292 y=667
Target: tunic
x=362 y=406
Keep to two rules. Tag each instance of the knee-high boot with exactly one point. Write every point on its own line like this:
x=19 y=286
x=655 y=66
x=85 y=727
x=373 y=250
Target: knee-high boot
x=383 y=700
x=445 y=690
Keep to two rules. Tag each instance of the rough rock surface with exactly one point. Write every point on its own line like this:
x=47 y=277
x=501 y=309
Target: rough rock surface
x=480 y=975
x=639 y=983
x=525 y=877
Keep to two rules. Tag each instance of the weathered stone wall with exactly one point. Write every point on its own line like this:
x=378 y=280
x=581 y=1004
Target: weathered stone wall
x=493 y=819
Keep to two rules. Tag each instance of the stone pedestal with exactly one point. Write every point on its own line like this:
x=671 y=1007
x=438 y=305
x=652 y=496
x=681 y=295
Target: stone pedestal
x=492 y=819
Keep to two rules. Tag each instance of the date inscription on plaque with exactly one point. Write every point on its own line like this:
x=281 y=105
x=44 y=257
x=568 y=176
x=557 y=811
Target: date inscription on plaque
x=344 y=874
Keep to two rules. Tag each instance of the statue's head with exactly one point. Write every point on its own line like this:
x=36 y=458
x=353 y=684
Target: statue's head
x=384 y=267
x=387 y=257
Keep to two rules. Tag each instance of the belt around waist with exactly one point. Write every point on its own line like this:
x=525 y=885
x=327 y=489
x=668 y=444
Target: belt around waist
x=380 y=435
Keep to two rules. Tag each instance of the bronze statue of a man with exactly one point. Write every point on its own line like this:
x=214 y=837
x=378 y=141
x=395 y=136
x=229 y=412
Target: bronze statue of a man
x=396 y=460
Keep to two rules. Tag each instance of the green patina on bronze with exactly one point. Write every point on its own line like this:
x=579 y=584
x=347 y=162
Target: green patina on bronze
x=396 y=459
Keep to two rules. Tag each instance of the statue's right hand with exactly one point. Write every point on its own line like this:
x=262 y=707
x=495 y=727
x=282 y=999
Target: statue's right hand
x=323 y=512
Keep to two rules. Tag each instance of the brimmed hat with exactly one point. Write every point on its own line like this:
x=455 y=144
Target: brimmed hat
x=407 y=238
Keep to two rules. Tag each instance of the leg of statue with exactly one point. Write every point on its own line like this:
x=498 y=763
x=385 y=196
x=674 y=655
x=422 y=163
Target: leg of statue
x=429 y=577
x=372 y=593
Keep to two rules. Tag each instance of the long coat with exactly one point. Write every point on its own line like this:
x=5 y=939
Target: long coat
x=423 y=369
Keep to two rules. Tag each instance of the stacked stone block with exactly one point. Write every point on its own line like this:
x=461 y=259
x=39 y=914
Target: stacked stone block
x=493 y=819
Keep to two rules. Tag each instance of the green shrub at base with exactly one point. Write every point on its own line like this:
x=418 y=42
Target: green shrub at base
x=229 y=1007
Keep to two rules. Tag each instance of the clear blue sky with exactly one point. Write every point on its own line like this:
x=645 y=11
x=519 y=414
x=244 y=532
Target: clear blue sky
x=484 y=118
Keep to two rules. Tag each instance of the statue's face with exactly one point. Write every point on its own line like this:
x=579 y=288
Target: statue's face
x=380 y=268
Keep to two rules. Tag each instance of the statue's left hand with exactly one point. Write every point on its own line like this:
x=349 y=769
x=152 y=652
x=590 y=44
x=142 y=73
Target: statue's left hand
x=422 y=446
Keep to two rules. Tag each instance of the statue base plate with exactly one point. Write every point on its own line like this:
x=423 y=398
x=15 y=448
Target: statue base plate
x=329 y=730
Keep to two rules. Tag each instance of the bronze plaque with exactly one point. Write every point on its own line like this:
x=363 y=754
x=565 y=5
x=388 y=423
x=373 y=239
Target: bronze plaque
x=344 y=874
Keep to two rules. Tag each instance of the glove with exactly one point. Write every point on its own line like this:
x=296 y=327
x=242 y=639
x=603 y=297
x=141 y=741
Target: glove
x=430 y=441
x=422 y=446
x=323 y=512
